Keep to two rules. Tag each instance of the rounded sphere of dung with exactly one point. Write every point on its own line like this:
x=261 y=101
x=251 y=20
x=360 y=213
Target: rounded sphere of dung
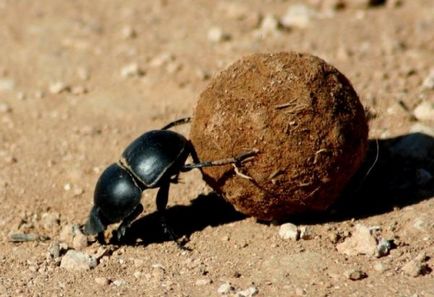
x=302 y=115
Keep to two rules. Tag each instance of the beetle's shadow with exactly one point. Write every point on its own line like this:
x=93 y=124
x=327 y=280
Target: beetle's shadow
x=399 y=177
x=203 y=211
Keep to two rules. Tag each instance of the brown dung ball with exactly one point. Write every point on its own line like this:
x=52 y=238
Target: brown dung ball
x=302 y=115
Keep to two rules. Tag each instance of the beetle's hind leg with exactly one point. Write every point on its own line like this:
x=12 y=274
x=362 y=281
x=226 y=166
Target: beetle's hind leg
x=177 y=123
x=126 y=222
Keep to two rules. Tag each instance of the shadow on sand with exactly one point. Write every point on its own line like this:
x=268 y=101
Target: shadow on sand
x=401 y=176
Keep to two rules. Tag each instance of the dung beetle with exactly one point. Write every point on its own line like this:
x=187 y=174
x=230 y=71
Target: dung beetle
x=153 y=160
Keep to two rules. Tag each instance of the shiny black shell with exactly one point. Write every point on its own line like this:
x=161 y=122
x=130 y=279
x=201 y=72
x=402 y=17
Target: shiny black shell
x=116 y=193
x=155 y=155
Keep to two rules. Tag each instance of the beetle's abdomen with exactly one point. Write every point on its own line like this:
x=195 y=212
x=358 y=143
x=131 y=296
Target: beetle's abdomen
x=153 y=154
x=116 y=193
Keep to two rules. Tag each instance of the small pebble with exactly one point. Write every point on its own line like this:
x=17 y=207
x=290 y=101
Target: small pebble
x=57 y=87
x=269 y=25
x=23 y=237
x=361 y=242
x=54 y=249
x=289 y=231
x=74 y=260
x=119 y=282
x=102 y=281
x=50 y=220
x=161 y=60
x=137 y=274
x=225 y=288
x=203 y=282
x=216 y=35
x=80 y=241
x=380 y=267
x=7 y=85
x=300 y=292
x=355 y=274
x=131 y=70
x=428 y=82
x=83 y=73
x=5 y=108
x=249 y=292
x=128 y=32
x=298 y=15
x=416 y=266
x=305 y=233
x=78 y=90
x=383 y=247
x=424 y=111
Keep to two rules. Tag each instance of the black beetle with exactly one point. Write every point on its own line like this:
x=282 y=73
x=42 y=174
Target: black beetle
x=153 y=160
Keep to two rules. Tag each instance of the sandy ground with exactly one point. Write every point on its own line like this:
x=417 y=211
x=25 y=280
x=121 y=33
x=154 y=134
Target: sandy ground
x=80 y=79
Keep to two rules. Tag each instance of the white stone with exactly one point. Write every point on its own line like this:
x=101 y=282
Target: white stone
x=269 y=25
x=289 y=231
x=225 y=288
x=425 y=111
x=428 y=82
x=7 y=84
x=216 y=35
x=249 y=292
x=74 y=260
x=298 y=16
x=131 y=70
x=57 y=87
x=5 y=108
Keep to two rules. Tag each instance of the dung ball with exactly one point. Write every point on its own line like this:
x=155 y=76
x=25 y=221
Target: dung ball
x=305 y=119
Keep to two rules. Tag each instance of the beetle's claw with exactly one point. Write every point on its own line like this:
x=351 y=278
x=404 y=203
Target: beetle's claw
x=120 y=232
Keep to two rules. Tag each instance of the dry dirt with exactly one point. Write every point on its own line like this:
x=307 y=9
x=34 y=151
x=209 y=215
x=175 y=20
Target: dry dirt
x=80 y=79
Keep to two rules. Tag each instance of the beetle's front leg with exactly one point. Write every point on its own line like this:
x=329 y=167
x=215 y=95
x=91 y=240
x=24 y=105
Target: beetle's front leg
x=126 y=222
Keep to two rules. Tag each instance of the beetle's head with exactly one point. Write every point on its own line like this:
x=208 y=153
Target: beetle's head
x=117 y=193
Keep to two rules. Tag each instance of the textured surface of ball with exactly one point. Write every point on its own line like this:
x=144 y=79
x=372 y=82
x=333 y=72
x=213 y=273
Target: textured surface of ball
x=304 y=117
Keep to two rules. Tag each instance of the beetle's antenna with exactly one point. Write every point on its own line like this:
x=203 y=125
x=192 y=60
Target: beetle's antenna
x=177 y=123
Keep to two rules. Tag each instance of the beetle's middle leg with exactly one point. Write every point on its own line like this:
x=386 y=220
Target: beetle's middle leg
x=162 y=198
